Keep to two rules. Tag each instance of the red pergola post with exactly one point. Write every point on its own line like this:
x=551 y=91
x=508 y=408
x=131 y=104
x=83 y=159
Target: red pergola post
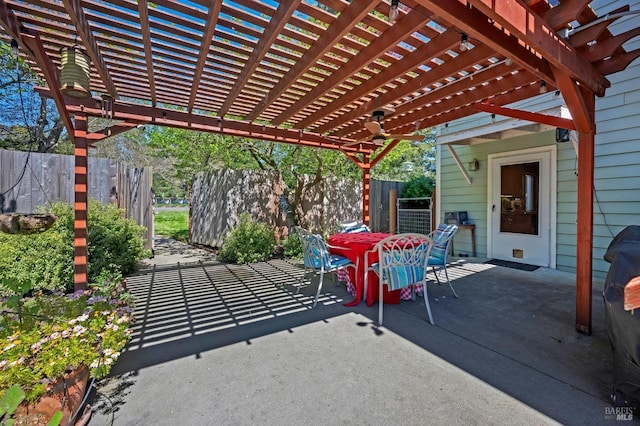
x=366 y=186
x=584 y=233
x=80 y=252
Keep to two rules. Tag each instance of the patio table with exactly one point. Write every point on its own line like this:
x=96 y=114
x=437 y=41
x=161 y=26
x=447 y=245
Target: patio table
x=353 y=247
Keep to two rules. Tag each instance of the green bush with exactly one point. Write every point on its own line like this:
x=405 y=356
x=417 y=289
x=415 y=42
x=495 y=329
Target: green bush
x=45 y=260
x=249 y=242
x=417 y=188
x=292 y=247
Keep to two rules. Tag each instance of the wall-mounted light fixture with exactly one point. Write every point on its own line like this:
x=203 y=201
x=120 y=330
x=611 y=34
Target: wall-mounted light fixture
x=474 y=165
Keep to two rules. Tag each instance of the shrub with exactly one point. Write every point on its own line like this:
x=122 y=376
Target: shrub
x=45 y=335
x=45 y=260
x=249 y=242
x=417 y=188
x=292 y=247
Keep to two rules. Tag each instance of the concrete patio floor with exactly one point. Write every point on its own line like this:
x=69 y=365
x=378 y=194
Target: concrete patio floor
x=219 y=344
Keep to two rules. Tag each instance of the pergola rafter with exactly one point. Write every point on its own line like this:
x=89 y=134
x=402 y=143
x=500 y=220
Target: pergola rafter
x=310 y=73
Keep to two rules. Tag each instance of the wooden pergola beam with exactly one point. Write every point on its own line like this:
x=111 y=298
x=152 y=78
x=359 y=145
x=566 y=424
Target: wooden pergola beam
x=51 y=76
x=148 y=55
x=424 y=118
x=424 y=53
x=595 y=30
x=207 y=38
x=561 y=15
x=79 y=20
x=608 y=47
x=473 y=22
x=427 y=79
x=405 y=26
x=146 y=114
x=271 y=33
x=440 y=93
x=518 y=19
x=342 y=25
x=535 y=117
x=619 y=62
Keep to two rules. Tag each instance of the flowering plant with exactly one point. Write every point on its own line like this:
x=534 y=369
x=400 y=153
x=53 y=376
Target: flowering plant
x=45 y=335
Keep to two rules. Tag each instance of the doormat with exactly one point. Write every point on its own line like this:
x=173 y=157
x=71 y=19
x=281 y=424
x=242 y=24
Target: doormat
x=514 y=265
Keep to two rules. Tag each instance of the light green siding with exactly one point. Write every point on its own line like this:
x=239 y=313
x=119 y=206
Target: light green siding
x=617 y=173
x=457 y=194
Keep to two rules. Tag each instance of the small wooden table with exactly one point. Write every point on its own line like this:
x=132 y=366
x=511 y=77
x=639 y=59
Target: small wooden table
x=472 y=229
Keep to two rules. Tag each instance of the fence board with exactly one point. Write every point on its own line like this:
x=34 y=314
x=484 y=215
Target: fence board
x=220 y=196
x=49 y=178
x=379 y=204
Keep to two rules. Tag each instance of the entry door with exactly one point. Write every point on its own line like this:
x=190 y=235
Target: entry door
x=522 y=201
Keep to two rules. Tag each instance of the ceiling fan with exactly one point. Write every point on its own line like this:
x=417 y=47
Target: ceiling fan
x=378 y=136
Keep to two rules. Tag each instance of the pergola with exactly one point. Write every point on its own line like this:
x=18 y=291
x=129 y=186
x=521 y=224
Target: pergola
x=312 y=72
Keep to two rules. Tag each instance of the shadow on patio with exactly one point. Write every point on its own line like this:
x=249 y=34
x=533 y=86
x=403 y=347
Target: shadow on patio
x=230 y=344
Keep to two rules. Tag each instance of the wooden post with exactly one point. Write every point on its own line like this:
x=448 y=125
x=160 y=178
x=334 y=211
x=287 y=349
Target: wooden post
x=393 y=201
x=366 y=186
x=80 y=250
x=584 y=232
x=434 y=208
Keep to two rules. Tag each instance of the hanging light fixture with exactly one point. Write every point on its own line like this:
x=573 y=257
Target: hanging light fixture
x=74 y=75
x=393 y=11
x=107 y=106
x=464 y=42
x=543 y=86
x=14 y=47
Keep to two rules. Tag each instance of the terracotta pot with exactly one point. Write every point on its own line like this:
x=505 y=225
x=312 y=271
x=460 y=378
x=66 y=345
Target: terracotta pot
x=65 y=395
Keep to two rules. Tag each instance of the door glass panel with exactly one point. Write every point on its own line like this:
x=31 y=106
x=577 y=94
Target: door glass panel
x=519 y=189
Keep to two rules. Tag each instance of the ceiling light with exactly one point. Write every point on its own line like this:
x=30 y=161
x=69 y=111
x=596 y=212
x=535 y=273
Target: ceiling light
x=508 y=61
x=378 y=139
x=393 y=11
x=543 y=86
x=14 y=46
x=464 y=42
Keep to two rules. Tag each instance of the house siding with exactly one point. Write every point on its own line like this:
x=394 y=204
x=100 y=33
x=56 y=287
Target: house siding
x=616 y=170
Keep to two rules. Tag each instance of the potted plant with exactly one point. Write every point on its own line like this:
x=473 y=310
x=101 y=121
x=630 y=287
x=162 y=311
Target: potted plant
x=51 y=342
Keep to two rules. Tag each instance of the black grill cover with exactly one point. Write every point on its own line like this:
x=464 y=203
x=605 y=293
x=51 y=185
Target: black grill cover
x=623 y=328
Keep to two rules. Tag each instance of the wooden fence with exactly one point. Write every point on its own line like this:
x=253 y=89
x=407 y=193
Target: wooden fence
x=31 y=180
x=379 y=207
x=220 y=196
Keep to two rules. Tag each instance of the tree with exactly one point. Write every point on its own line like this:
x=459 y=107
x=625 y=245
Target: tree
x=193 y=152
x=408 y=160
x=28 y=122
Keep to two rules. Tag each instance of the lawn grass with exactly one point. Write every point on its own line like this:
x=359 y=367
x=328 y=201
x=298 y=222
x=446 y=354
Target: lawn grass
x=172 y=224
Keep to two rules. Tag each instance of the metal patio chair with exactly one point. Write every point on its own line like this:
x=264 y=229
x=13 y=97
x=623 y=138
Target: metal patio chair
x=318 y=259
x=402 y=262
x=442 y=237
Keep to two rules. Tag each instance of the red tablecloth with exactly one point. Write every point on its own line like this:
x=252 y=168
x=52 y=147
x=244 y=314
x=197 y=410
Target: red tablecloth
x=357 y=244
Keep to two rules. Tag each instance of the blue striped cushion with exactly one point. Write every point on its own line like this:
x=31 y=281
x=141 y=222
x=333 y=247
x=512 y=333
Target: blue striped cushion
x=337 y=261
x=441 y=237
x=361 y=227
x=398 y=277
